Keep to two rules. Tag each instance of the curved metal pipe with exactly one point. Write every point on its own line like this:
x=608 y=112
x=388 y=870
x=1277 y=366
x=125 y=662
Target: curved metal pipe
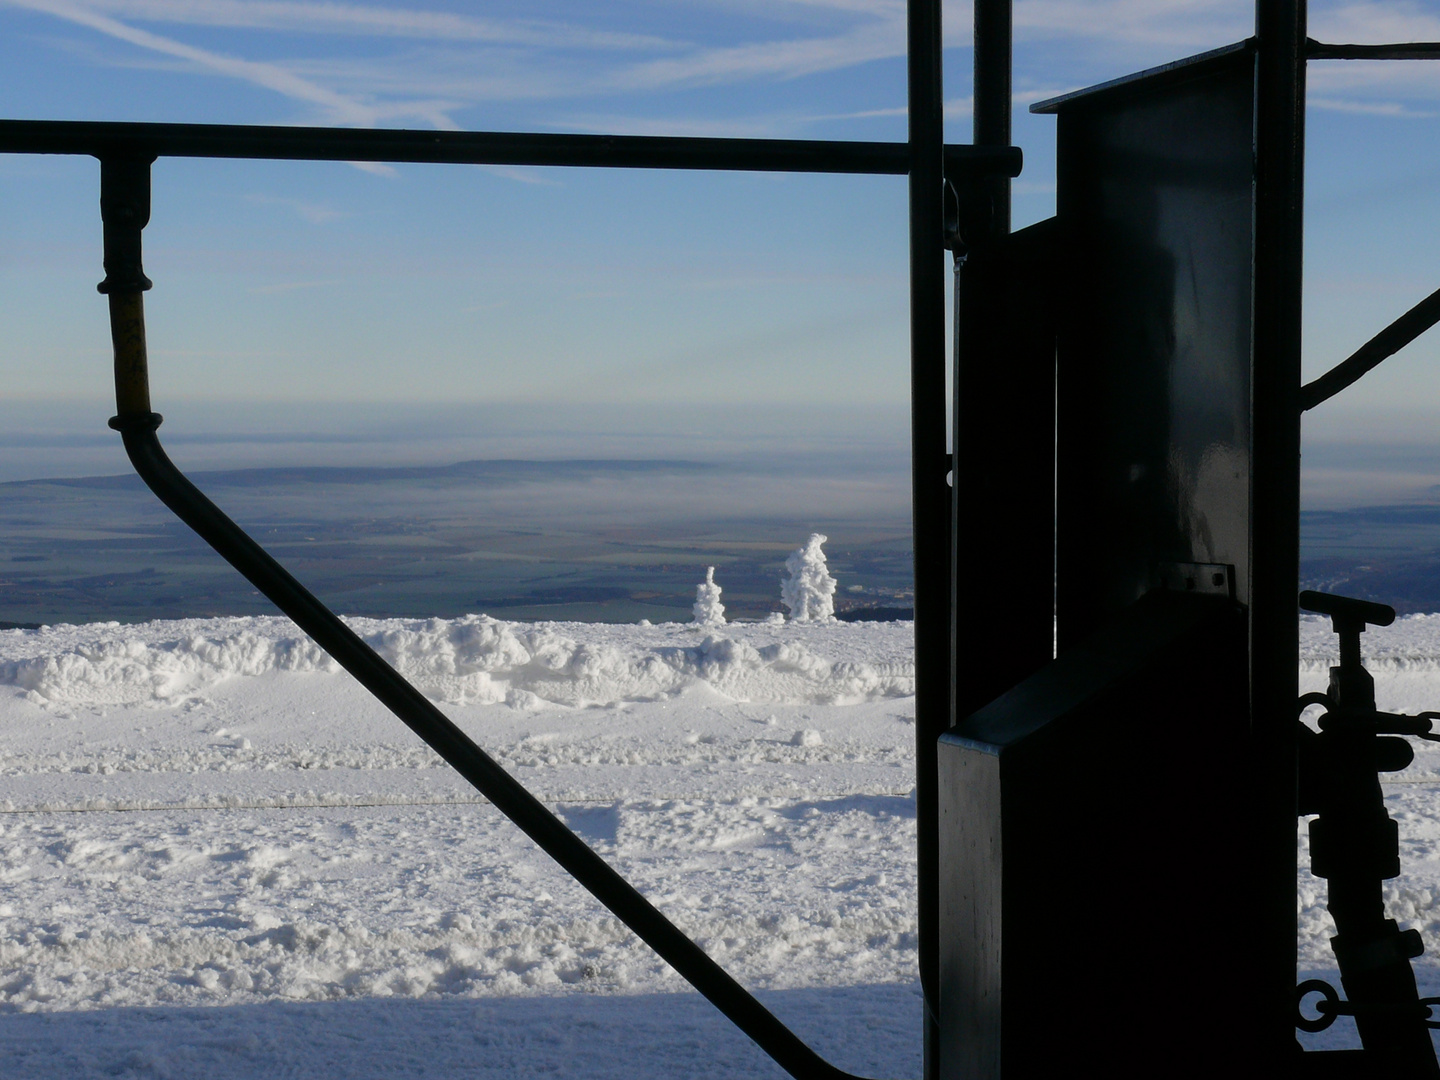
x=137 y=426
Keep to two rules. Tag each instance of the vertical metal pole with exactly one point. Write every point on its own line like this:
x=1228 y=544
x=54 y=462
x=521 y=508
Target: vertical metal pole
x=992 y=105
x=991 y=406
x=124 y=212
x=1280 y=28
x=929 y=463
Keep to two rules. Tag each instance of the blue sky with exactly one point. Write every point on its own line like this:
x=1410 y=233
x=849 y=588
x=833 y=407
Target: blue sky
x=309 y=286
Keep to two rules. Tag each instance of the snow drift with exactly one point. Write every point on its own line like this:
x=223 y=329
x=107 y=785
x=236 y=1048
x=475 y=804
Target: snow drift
x=471 y=660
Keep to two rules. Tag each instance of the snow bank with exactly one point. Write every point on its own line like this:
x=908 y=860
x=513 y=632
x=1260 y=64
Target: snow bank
x=121 y=669
x=1411 y=643
x=708 y=609
x=470 y=660
x=809 y=591
x=479 y=660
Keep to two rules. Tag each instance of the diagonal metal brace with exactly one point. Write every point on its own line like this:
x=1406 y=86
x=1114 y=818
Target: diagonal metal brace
x=1373 y=353
x=137 y=425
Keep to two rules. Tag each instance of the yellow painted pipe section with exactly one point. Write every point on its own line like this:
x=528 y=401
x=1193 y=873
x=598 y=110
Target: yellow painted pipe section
x=132 y=368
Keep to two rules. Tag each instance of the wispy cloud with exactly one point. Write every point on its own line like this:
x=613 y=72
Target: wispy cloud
x=314 y=213
x=447 y=74
x=1138 y=33
x=889 y=8
x=877 y=40
x=522 y=174
x=376 y=168
x=442 y=76
x=1367 y=108
x=291 y=286
x=368 y=20
x=1207 y=23
x=1182 y=24
x=1374 y=23
x=338 y=107
x=449 y=62
x=740 y=127
x=1401 y=88
x=462 y=61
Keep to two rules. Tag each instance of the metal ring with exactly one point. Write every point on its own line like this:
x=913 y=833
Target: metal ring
x=1328 y=1011
x=137 y=422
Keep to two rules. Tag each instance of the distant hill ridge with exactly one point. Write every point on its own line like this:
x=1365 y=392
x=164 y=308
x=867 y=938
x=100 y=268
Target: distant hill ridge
x=498 y=470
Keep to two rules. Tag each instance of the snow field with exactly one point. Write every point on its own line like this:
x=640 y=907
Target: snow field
x=292 y=844
x=249 y=906
x=209 y=814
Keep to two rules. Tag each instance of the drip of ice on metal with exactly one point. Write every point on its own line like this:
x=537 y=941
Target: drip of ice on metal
x=809 y=591
x=708 y=609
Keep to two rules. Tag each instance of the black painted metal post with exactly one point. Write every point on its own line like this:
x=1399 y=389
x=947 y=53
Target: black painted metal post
x=991 y=404
x=124 y=212
x=929 y=463
x=992 y=105
x=1280 y=28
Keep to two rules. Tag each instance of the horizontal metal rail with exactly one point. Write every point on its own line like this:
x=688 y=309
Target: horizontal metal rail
x=1414 y=50
x=150 y=141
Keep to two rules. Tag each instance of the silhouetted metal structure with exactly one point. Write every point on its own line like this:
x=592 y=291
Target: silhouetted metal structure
x=126 y=152
x=1154 y=327
x=1355 y=845
x=1107 y=585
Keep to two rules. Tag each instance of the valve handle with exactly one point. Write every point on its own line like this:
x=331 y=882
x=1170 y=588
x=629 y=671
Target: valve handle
x=1350 y=684
x=1347 y=610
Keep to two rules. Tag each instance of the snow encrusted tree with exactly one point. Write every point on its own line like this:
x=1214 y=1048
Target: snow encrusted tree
x=809 y=591
x=708 y=609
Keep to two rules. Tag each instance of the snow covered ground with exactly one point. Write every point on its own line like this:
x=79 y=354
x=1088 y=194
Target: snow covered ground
x=216 y=852
x=209 y=814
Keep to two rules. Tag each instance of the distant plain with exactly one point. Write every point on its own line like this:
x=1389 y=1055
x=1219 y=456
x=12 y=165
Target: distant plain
x=585 y=514
x=594 y=540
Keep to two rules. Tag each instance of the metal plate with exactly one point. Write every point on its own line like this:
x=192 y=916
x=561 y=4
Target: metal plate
x=1155 y=202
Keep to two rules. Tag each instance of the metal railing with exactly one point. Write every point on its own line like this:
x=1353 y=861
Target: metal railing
x=126 y=152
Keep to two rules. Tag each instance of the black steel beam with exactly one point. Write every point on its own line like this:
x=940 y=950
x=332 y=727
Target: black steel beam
x=103 y=139
x=1275 y=508
x=993 y=102
x=929 y=464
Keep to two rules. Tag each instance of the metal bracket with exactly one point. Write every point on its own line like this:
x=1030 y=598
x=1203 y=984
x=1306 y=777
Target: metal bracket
x=1206 y=579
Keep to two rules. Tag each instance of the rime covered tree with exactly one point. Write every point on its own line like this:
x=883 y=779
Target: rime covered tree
x=809 y=591
x=708 y=609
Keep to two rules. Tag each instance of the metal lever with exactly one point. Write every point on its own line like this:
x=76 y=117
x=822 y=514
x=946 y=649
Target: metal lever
x=1351 y=686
